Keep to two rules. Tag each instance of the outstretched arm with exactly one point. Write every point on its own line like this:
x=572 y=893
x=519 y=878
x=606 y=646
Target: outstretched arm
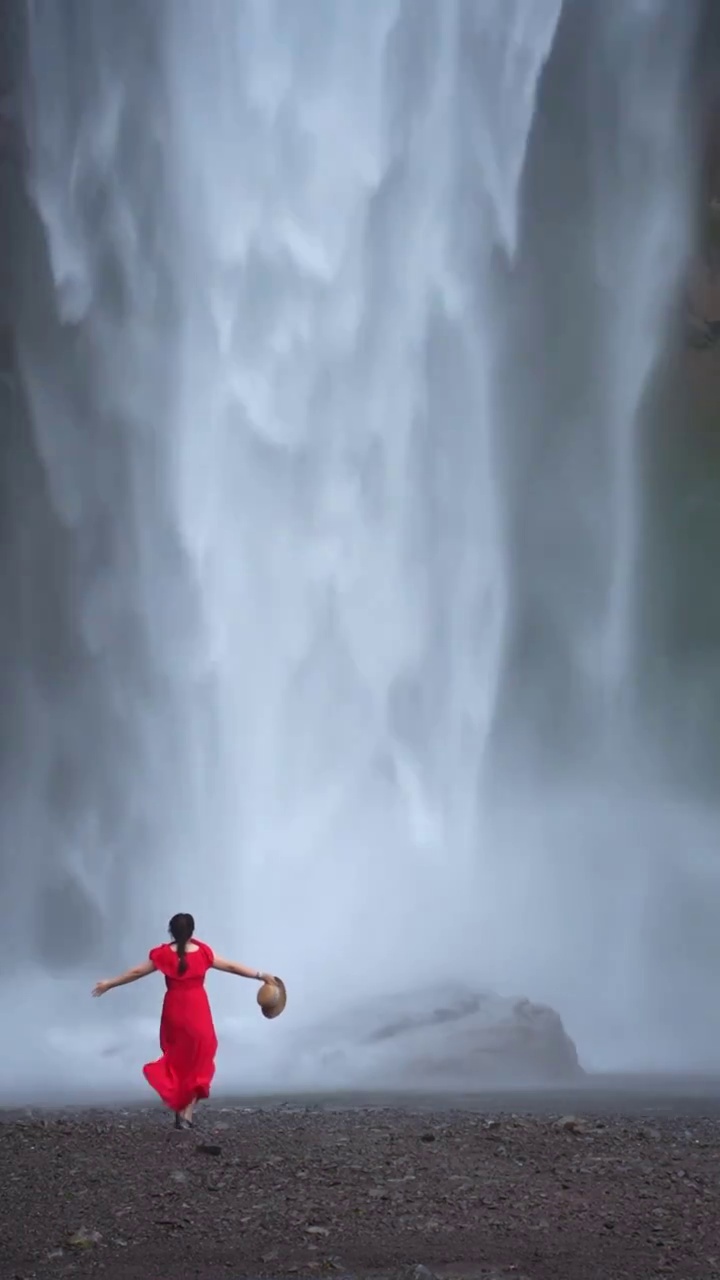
x=132 y=975
x=240 y=970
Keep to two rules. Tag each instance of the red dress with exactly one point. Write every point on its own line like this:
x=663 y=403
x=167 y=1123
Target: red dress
x=187 y=1034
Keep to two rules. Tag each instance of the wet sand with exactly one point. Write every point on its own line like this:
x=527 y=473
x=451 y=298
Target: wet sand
x=619 y=1180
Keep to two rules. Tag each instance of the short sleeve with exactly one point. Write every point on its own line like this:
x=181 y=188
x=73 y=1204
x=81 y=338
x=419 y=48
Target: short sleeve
x=208 y=953
x=159 y=957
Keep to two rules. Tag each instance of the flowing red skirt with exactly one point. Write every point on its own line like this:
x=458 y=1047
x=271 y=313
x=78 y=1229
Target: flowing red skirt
x=187 y=1038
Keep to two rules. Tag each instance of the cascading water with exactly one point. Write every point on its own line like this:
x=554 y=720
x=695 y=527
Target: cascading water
x=334 y=331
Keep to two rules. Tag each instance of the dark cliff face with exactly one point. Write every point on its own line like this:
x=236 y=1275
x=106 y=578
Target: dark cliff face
x=11 y=187
x=682 y=450
x=703 y=298
x=704 y=267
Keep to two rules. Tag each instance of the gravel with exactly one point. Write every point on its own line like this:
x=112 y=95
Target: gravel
x=306 y=1191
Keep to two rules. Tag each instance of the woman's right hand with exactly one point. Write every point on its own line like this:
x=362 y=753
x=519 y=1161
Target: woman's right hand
x=268 y=977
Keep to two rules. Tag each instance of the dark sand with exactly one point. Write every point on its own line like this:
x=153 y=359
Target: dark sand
x=479 y=1186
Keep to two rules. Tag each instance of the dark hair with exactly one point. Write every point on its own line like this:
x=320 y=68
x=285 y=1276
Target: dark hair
x=182 y=928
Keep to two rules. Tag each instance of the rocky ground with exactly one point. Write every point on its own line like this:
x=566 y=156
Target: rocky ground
x=306 y=1191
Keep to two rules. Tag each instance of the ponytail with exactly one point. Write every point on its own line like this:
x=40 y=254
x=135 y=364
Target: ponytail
x=182 y=928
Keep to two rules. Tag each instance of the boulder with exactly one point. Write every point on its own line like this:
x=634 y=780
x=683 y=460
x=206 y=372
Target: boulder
x=447 y=1040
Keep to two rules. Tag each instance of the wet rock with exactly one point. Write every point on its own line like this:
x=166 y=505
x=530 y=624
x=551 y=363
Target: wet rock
x=651 y=1134
x=83 y=1239
x=462 y=1038
x=571 y=1124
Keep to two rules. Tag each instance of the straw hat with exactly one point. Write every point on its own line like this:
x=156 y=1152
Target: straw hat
x=272 y=998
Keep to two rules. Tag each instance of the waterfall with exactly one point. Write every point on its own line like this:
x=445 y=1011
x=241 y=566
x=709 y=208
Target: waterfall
x=335 y=328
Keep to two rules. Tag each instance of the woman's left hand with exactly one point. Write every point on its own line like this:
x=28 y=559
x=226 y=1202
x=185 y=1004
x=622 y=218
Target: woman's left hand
x=100 y=988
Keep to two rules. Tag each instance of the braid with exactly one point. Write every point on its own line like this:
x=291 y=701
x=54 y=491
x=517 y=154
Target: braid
x=182 y=927
x=182 y=962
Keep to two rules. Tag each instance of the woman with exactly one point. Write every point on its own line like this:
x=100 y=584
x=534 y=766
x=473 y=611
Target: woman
x=187 y=1035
